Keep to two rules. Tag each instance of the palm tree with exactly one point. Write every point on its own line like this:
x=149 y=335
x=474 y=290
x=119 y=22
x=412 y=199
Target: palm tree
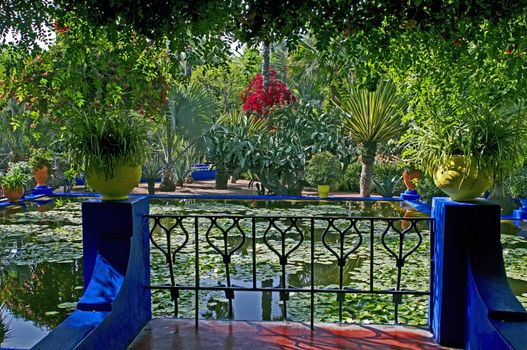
x=370 y=118
x=188 y=117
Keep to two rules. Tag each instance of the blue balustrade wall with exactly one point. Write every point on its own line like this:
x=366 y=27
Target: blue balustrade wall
x=115 y=305
x=472 y=305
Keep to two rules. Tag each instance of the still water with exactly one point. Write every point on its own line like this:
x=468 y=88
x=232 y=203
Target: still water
x=41 y=264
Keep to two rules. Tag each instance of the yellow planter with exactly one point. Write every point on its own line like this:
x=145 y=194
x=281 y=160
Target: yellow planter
x=323 y=191
x=461 y=182
x=116 y=188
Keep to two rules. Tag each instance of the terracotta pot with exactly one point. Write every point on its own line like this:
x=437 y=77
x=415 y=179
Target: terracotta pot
x=460 y=181
x=41 y=176
x=409 y=177
x=13 y=194
x=116 y=188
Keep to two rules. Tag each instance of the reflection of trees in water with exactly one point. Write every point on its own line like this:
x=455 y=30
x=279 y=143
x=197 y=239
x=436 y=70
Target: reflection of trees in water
x=4 y=327
x=31 y=291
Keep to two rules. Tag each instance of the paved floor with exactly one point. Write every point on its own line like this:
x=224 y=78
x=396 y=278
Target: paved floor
x=167 y=333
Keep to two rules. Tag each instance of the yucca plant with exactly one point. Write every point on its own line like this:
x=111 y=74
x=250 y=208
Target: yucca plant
x=370 y=118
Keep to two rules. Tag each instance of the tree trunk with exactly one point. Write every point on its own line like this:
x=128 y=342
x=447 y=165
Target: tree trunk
x=265 y=64
x=151 y=186
x=222 y=177
x=167 y=182
x=367 y=158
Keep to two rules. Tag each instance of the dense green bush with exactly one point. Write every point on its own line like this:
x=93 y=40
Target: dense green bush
x=518 y=183
x=350 y=180
x=427 y=189
x=323 y=169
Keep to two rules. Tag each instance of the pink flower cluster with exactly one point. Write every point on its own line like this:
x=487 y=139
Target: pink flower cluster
x=260 y=100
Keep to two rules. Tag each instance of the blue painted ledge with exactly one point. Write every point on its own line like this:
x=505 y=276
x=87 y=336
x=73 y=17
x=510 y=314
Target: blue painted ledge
x=30 y=197
x=115 y=305
x=472 y=305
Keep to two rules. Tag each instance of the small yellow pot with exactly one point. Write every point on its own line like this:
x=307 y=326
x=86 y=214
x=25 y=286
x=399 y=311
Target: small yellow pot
x=116 y=188
x=460 y=181
x=323 y=191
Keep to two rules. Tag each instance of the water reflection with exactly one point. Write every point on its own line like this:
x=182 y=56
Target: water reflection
x=34 y=292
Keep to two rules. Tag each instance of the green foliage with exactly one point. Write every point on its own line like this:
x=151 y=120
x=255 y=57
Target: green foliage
x=18 y=175
x=518 y=183
x=152 y=167
x=495 y=137
x=296 y=132
x=350 y=179
x=102 y=139
x=41 y=157
x=323 y=169
x=372 y=116
x=232 y=141
x=427 y=189
x=387 y=179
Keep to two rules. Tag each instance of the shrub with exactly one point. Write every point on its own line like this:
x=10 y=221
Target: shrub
x=350 y=181
x=323 y=169
x=39 y=158
x=518 y=183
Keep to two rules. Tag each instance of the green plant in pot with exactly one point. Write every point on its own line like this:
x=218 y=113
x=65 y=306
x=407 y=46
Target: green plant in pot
x=111 y=145
x=14 y=181
x=152 y=170
x=322 y=170
x=469 y=151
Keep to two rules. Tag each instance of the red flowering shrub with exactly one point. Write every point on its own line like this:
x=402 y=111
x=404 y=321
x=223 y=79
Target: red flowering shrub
x=260 y=100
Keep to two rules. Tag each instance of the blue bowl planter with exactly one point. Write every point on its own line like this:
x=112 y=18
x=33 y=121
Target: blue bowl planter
x=521 y=214
x=202 y=172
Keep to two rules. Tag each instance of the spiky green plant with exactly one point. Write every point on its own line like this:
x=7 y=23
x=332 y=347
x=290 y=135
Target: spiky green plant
x=188 y=117
x=493 y=137
x=102 y=139
x=370 y=118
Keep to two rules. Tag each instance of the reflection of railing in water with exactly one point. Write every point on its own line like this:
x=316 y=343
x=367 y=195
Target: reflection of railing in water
x=342 y=237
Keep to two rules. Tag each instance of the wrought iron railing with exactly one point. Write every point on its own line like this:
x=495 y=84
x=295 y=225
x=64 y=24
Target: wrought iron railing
x=340 y=238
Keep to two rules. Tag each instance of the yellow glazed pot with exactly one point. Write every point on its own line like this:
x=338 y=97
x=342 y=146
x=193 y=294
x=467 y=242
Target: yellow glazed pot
x=460 y=181
x=116 y=188
x=323 y=191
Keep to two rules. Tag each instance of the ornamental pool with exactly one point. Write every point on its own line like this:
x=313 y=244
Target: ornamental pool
x=41 y=266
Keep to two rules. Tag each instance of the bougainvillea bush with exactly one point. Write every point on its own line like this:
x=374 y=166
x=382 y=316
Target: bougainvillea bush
x=261 y=99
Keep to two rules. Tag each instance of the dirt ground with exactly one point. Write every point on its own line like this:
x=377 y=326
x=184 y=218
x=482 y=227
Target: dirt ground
x=241 y=187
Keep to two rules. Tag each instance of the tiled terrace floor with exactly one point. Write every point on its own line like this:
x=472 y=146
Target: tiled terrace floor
x=168 y=333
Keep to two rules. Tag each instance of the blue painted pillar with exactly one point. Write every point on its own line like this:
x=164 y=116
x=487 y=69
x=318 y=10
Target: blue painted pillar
x=115 y=305
x=458 y=225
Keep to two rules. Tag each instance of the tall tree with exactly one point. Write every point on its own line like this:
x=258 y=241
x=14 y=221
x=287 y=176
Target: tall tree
x=370 y=118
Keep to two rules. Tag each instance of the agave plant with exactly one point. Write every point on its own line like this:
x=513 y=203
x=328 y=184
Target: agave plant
x=370 y=118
